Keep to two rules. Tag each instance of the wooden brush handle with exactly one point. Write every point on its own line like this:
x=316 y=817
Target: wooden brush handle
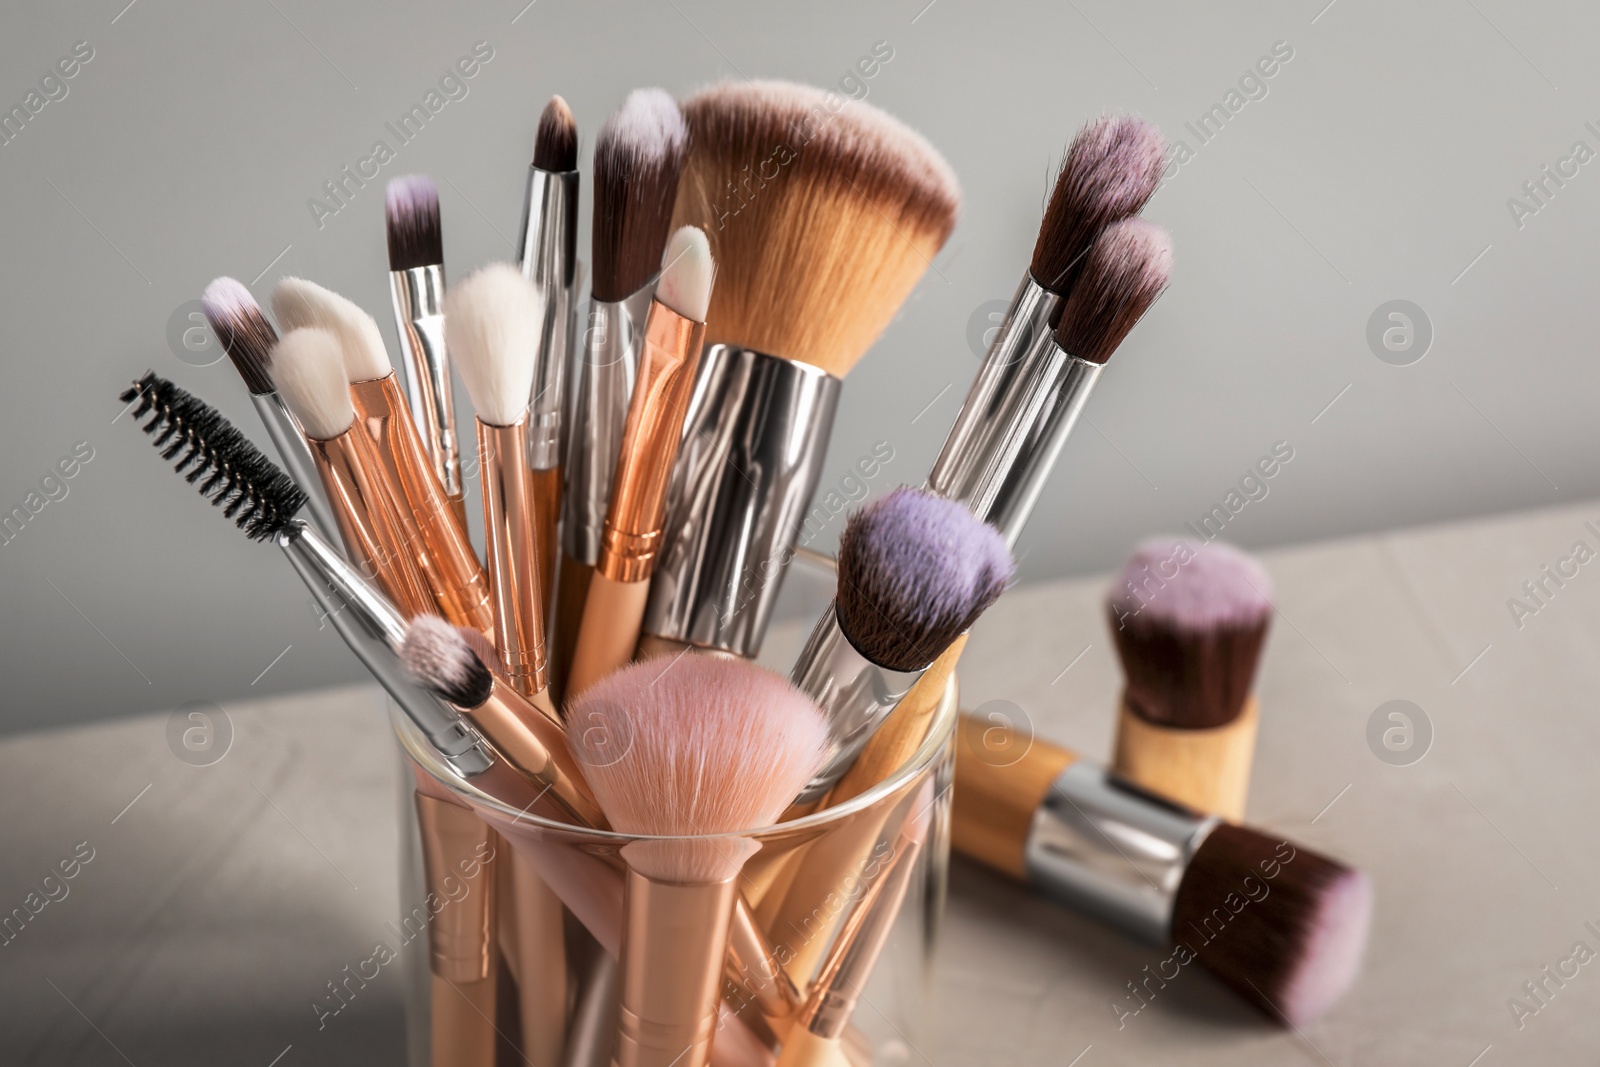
x=1001 y=779
x=1207 y=770
x=903 y=732
x=571 y=592
x=608 y=632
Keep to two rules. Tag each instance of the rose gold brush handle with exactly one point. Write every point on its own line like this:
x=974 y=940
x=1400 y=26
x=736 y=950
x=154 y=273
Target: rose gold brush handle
x=546 y=489
x=365 y=507
x=614 y=608
x=511 y=538
x=438 y=539
x=674 y=937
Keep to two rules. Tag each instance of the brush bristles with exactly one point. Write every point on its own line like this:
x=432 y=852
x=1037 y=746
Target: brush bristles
x=693 y=746
x=438 y=658
x=1127 y=269
x=638 y=158
x=249 y=487
x=822 y=218
x=1111 y=169
x=555 y=143
x=687 y=270
x=491 y=329
x=411 y=218
x=299 y=303
x=309 y=375
x=1189 y=621
x=1284 y=927
x=915 y=572
x=242 y=330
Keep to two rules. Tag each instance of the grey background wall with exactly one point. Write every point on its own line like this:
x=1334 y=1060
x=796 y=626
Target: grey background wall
x=1377 y=163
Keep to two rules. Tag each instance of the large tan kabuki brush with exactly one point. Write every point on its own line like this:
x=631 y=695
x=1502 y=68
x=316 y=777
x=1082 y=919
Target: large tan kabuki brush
x=816 y=249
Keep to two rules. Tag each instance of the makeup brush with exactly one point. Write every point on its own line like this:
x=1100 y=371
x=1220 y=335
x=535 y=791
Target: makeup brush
x=1127 y=268
x=447 y=662
x=1189 y=621
x=416 y=291
x=263 y=502
x=439 y=657
x=1282 y=926
x=817 y=1037
x=247 y=337
x=813 y=260
x=548 y=256
x=638 y=155
x=620 y=586
x=1110 y=170
x=308 y=370
x=491 y=327
x=914 y=572
x=433 y=534
x=698 y=753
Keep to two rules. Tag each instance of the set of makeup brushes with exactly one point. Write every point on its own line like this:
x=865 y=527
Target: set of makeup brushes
x=642 y=481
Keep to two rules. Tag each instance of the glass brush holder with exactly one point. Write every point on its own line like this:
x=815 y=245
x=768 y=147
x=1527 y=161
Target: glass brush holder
x=824 y=931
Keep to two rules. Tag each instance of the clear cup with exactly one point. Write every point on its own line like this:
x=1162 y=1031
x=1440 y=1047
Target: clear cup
x=815 y=896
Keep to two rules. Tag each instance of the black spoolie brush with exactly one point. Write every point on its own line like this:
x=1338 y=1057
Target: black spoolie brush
x=263 y=502
x=249 y=488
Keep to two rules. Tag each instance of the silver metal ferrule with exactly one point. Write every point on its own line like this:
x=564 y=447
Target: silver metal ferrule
x=417 y=294
x=373 y=628
x=754 y=442
x=548 y=255
x=1107 y=848
x=1017 y=415
x=610 y=363
x=854 y=693
x=296 y=457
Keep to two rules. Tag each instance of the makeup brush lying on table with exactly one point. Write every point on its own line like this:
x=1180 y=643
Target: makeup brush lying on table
x=548 y=255
x=811 y=266
x=1127 y=268
x=699 y=752
x=638 y=157
x=1282 y=926
x=248 y=338
x=1189 y=620
x=620 y=585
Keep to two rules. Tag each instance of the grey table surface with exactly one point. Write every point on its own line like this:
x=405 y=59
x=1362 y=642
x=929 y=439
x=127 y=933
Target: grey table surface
x=219 y=900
